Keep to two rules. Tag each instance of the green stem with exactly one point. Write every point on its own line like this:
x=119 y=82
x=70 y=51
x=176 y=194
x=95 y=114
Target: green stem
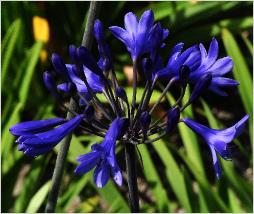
x=65 y=144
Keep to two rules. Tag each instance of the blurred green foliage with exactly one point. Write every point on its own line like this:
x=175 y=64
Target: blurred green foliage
x=176 y=172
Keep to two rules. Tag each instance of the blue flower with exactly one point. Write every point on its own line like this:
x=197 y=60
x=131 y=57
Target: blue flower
x=103 y=156
x=39 y=137
x=139 y=36
x=177 y=59
x=218 y=140
x=216 y=67
x=105 y=62
x=94 y=81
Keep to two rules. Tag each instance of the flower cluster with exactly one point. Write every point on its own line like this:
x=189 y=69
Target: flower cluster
x=85 y=77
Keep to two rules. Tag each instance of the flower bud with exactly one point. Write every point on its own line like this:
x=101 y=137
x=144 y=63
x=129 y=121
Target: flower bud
x=173 y=116
x=145 y=120
x=50 y=84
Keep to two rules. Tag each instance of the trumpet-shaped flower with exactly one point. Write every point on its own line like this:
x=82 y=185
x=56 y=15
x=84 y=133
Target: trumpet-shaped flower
x=140 y=36
x=216 y=67
x=218 y=140
x=103 y=156
x=39 y=137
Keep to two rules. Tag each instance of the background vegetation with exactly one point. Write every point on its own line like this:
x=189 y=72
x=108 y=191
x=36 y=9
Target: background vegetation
x=177 y=173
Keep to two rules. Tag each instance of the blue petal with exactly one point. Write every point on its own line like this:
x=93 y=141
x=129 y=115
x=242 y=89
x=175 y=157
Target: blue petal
x=224 y=82
x=131 y=24
x=94 y=81
x=212 y=52
x=115 y=131
x=101 y=174
x=115 y=170
x=122 y=35
x=56 y=135
x=221 y=67
x=216 y=163
x=31 y=127
x=87 y=162
x=80 y=85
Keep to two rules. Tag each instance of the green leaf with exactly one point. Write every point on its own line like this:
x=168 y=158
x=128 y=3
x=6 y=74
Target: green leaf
x=28 y=74
x=241 y=71
x=38 y=198
x=247 y=43
x=8 y=139
x=204 y=32
x=72 y=191
x=113 y=198
x=174 y=174
x=29 y=185
x=234 y=202
x=8 y=45
x=154 y=181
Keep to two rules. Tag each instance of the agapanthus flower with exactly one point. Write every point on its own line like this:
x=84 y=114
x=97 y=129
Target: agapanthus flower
x=103 y=156
x=38 y=137
x=218 y=140
x=140 y=36
x=216 y=67
x=118 y=121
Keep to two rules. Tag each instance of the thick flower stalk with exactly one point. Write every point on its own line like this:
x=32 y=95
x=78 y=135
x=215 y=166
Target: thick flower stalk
x=119 y=121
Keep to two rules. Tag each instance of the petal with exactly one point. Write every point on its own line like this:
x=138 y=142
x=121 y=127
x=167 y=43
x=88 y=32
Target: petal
x=122 y=35
x=56 y=135
x=87 y=162
x=115 y=131
x=80 y=85
x=131 y=24
x=221 y=67
x=146 y=22
x=95 y=82
x=144 y=27
x=31 y=127
x=224 y=82
x=203 y=53
x=101 y=175
x=216 y=163
x=175 y=52
x=213 y=52
x=115 y=170
x=34 y=151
